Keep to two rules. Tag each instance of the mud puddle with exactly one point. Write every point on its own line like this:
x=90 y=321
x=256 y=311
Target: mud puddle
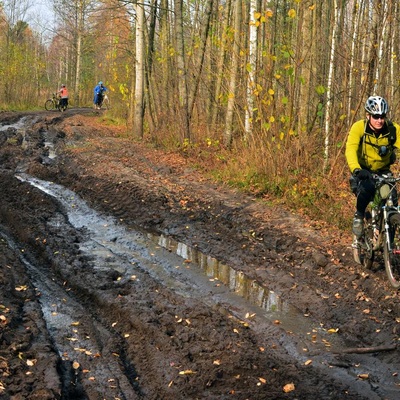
x=75 y=336
x=192 y=274
x=181 y=268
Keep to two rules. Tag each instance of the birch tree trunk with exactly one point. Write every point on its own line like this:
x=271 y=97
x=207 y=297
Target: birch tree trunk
x=79 y=34
x=329 y=86
x=139 y=67
x=251 y=70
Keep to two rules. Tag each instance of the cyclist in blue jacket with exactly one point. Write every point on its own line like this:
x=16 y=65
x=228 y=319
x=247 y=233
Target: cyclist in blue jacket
x=99 y=95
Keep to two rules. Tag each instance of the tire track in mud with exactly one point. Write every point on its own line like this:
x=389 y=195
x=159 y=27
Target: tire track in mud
x=127 y=253
x=82 y=343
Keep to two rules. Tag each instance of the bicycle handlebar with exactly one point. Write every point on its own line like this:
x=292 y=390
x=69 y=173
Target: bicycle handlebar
x=380 y=179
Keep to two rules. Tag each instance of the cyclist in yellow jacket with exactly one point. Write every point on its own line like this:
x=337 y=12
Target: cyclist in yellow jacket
x=370 y=149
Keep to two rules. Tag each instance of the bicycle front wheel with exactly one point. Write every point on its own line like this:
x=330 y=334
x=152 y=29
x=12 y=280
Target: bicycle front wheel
x=363 y=251
x=49 y=105
x=392 y=256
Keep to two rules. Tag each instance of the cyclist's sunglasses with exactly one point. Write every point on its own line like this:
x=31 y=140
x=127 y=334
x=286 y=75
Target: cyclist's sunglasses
x=378 y=116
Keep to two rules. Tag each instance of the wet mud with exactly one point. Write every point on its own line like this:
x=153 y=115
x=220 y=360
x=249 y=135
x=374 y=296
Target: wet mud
x=127 y=274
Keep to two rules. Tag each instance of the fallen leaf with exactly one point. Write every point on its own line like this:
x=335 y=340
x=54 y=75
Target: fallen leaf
x=333 y=330
x=186 y=372
x=289 y=387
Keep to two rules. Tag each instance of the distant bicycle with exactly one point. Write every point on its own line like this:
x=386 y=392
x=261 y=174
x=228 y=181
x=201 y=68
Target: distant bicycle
x=106 y=102
x=53 y=103
x=103 y=101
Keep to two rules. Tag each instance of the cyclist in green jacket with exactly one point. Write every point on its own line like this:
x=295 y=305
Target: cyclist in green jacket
x=370 y=149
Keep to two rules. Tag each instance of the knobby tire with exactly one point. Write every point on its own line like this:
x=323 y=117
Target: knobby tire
x=49 y=105
x=392 y=257
x=364 y=254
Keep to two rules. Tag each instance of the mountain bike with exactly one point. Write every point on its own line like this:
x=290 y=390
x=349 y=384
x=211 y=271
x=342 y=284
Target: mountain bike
x=102 y=100
x=381 y=230
x=53 y=103
x=106 y=101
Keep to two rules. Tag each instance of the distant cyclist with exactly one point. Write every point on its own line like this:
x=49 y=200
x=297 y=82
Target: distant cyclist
x=370 y=149
x=63 y=93
x=99 y=91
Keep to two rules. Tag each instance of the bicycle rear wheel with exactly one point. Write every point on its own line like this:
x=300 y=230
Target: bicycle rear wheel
x=392 y=257
x=49 y=105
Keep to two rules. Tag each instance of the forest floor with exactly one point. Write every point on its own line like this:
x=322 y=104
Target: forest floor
x=125 y=273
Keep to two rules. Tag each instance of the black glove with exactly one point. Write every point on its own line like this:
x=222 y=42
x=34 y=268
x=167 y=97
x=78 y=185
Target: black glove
x=362 y=174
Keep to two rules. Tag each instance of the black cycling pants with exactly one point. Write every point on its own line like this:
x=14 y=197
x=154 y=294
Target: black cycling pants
x=365 y=192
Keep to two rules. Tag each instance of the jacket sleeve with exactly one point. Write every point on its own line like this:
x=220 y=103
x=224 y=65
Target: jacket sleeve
x=353 y=143
x=397 y=143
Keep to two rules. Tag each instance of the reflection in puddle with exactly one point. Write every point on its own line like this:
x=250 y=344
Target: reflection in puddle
x=236 y=281
x=50 y=147
x=21 y=124
x=113 y=246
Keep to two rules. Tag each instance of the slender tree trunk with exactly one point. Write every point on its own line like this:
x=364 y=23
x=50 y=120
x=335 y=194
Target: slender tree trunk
x=251 y=71
x=228 y=134
x=329 y=85
x=203 y=40
x=220 y=65
x=78 y=68
x=139 y=81
x=182 y=72
x=355 y=28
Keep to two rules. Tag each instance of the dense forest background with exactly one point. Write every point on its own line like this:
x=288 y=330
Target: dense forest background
x=262 y=92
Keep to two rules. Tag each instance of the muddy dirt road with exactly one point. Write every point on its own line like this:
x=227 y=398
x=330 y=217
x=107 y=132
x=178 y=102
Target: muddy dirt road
x=126 y=274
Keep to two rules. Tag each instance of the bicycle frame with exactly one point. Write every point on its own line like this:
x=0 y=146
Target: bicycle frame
x=381 y=230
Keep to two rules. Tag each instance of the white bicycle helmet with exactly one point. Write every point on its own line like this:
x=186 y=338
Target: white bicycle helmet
x=376 y=105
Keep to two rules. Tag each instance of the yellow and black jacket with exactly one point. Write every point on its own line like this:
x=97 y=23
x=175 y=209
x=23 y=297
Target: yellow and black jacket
x=363 y=146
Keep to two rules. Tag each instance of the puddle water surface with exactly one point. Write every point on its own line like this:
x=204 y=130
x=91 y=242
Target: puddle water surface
x=109 y=240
